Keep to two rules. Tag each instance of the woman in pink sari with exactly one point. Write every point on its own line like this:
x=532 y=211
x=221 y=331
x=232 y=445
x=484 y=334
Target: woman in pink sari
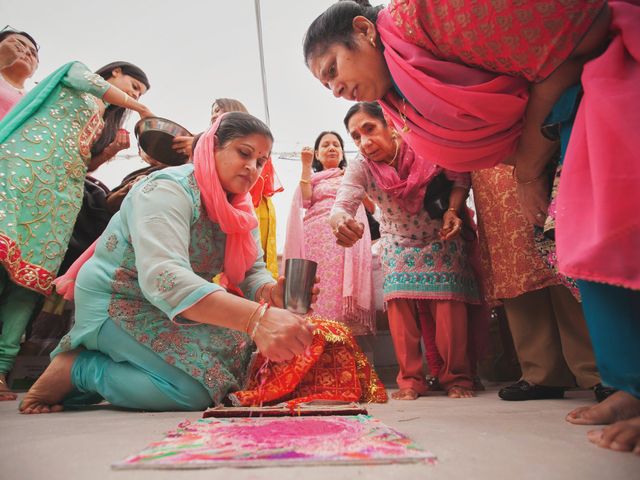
x=345 y=274
x=470 y=85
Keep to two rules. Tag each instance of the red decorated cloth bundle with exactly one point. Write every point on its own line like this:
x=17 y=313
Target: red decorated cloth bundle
x=334 y=368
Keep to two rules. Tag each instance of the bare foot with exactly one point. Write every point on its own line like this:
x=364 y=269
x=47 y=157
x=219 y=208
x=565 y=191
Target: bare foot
x=5 y=391
x=617 y=407
x=405 y=394
x=460 y=392
x=621 y=436
x=46 y=394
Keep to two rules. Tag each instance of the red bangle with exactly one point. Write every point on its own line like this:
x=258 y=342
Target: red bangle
x=271 y=300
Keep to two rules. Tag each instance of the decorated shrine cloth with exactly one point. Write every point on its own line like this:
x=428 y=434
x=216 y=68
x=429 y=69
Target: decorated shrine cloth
x=334 y=368
x=283 y=441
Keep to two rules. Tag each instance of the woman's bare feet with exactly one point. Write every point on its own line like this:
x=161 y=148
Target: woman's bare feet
x=621 y=436
x=405 y=394
x=617 y=407
x=5 y=391
x=460 y=392
x=50 y=389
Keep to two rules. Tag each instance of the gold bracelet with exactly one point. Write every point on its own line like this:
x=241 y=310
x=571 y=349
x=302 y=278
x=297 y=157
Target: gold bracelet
x=264 y=307
x=307 y=182
x=246 y=327
x=126 y=99
x=527 y=182
x=451 y=209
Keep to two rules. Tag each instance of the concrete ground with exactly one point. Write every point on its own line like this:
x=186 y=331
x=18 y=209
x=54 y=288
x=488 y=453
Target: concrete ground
x=479 y=438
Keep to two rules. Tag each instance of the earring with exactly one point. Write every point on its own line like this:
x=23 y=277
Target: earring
x=372 y=42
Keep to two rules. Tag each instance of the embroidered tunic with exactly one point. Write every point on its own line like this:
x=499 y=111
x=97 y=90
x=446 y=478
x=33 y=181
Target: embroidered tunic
x=155 y=260
x=416 y=264
x=42 y=168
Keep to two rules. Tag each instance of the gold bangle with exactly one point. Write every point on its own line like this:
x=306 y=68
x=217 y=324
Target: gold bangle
x=253 y=314
x=451 y=209
x=264 y=307
x=306 y=182
x=527 y=182
x=126 y=99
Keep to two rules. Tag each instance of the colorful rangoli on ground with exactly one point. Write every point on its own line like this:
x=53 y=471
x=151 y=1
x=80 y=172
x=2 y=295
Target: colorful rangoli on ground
x=286 y=441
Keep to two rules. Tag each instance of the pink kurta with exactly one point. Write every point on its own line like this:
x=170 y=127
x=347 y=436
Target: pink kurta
x=346 y=286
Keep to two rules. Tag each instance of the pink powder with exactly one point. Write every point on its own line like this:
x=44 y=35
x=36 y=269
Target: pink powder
x=275 y=431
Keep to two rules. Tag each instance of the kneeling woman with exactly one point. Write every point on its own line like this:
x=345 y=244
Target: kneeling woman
x=426 y=268
x=151 y=331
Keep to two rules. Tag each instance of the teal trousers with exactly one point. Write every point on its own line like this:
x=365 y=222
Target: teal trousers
x=128 y=374
x=613 y=318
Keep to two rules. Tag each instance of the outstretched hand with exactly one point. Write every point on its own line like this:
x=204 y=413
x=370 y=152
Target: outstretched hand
x=282 y=335
x=346 y=229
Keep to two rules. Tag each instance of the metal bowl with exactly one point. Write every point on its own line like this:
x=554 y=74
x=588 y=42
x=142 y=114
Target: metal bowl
x=155 y=136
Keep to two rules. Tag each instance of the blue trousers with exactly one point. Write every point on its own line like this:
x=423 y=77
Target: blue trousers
x=613 y=318
x=128 y=374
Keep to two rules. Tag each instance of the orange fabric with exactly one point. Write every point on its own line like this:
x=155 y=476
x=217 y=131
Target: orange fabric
x=520 y=38
x=333 y=369
x=267 y=185
x=510 y=263
x=405 y=334
x=451 y=341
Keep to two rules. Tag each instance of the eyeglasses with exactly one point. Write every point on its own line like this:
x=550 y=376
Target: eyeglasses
x=10 y=29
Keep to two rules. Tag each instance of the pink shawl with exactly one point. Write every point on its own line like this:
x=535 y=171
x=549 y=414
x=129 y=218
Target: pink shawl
x=409 y=182
x=357 y=286
x=597 y=223
x=461 y=117
x=9 y=96
x=236 y=219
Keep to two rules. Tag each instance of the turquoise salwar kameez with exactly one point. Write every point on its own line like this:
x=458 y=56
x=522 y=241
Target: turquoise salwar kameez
x=45 y=143
x=155 y=260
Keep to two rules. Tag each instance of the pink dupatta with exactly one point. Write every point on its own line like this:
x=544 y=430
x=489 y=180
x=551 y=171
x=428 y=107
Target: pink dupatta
x=236 y=219
x=409 y=182
x=357 y=284
x=461 y=117
x=597 y=224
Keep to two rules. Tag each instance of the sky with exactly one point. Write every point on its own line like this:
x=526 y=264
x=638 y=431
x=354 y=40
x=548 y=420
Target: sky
x=193 y=52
